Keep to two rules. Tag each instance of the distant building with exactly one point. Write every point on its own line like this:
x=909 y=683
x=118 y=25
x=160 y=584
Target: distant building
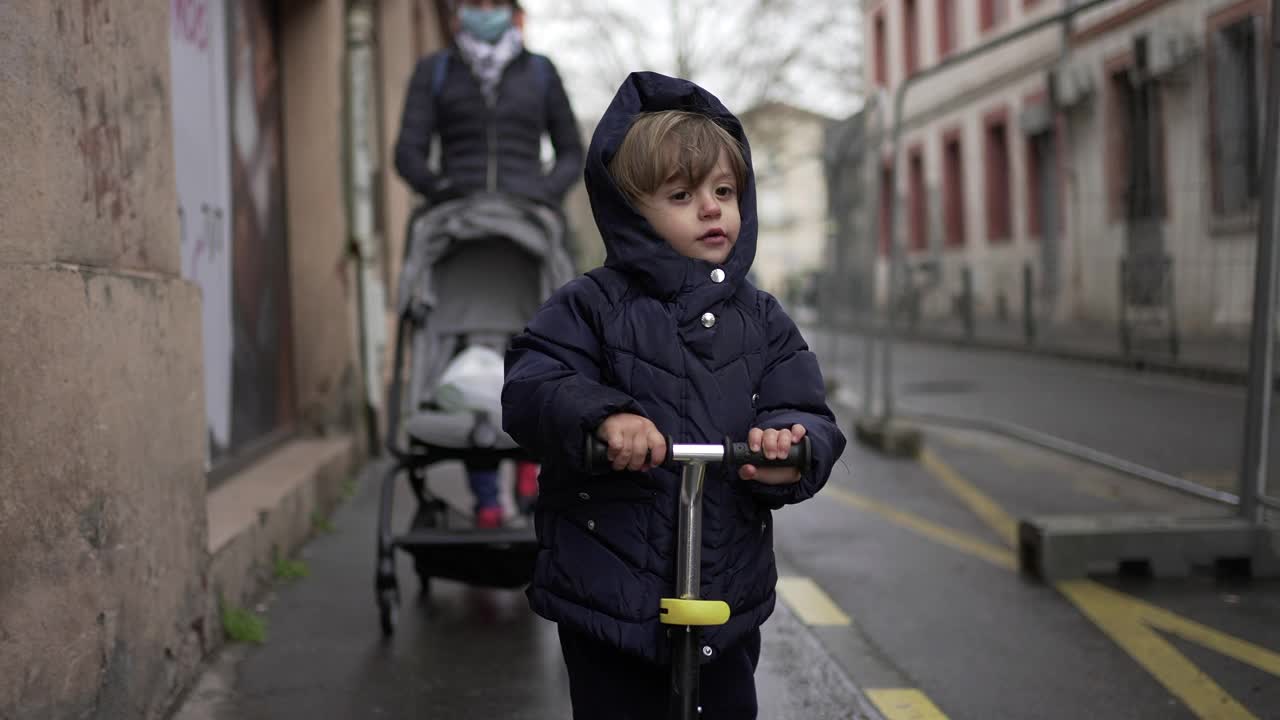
x=1114 y=162
x=791 y=193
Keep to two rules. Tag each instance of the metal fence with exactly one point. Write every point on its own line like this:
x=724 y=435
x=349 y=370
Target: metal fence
x=1105 y=204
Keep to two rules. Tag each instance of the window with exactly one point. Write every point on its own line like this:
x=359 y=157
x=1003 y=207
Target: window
x=910 y=48
x=886 y=205
x=953 y=190
x=992 y=13
x=1135 y=145
x=1037 y=180
x=948 y=27
x=881 y=56
x=1118 y=134
x=917 y=200
x=1236 y=115
x=999 y=220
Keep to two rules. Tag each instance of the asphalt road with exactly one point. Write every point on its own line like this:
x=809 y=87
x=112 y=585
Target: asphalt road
x=903 y=555
x=1185 y=428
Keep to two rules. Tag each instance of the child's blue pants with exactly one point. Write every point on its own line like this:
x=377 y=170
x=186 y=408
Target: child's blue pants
x=484 y=486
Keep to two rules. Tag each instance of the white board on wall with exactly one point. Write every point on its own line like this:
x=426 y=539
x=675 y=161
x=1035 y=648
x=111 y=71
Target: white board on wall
x=198 y=82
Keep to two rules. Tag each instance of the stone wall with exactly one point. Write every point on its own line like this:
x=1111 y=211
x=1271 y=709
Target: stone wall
x=102 y=513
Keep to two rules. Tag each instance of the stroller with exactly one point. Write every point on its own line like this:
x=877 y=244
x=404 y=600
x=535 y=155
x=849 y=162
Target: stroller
x=475 y=271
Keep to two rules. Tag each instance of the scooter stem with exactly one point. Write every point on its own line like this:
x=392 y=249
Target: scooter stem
x=689 y=561
x=684 y=661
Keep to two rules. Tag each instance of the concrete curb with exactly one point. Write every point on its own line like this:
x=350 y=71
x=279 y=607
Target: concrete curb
x=891 y=438
x=839 y=694
x=267 y=512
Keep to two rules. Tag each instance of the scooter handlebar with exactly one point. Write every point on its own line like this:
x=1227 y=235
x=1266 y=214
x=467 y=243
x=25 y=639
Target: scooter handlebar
x=597 y=455
x=739 y=453
x=597 y=460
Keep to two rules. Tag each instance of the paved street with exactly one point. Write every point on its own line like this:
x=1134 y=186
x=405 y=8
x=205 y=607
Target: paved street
x=936 y=604
x=1182 y=427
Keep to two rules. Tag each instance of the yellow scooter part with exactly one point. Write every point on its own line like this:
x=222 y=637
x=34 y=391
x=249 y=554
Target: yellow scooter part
x=675 y=611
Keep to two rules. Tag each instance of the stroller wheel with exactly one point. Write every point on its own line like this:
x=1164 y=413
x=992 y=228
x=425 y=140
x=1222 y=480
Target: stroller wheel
x=388 y=611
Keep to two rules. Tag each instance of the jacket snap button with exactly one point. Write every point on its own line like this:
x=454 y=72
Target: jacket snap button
x=583 y=496
x=591 y=524
x=717 y=276
x=708 y=320
x=706 y=650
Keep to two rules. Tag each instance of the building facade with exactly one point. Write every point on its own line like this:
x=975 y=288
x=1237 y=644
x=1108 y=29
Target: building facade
x=791 y=200
x=195 y=204
x=1087 y=172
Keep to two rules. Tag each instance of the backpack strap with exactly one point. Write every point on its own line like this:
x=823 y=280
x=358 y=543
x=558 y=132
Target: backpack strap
x=438 y=72
x=542 y=72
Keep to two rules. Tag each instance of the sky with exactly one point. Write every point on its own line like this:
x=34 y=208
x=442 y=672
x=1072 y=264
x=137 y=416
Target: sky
x=594 y=43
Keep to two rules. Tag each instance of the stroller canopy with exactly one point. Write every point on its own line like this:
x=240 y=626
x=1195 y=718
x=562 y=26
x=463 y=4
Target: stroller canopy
x=475 y=271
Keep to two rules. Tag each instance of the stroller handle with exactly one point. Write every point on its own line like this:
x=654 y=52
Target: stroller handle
x=597 y=460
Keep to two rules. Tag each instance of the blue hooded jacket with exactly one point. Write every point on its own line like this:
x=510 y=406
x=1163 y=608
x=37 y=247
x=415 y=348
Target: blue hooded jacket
x=629 y=337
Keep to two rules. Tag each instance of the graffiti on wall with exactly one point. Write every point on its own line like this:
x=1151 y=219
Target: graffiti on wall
x=227 y=149
x=262 y=358
x=198 y=71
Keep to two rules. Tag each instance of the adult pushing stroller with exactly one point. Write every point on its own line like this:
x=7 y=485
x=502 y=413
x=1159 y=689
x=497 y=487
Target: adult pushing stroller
x=475 y=271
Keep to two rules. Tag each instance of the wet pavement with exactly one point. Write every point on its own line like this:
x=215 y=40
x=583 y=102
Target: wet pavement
x=917 y=557
x=460 y=652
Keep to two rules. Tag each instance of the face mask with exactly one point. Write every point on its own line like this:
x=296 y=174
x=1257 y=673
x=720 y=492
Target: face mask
x=486 y=25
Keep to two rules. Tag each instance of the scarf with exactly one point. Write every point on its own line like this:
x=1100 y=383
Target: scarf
x=488 y=60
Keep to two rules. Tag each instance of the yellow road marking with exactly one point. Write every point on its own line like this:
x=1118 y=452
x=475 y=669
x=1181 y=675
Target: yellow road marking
x=1131 y=623
x=1128 y=621
x=905 y=704
x=810 y=603
x=977 y=501
x=1161 y=619
x=993 y=554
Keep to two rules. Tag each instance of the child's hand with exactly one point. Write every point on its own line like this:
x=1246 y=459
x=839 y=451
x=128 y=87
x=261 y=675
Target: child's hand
x=776 y=444
x=631 y=438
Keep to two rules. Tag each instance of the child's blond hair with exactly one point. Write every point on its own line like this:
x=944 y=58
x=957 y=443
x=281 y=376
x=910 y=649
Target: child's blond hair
x=670 y=144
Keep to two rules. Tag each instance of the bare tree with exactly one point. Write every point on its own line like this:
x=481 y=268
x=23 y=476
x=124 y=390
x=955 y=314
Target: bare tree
x=802 y=52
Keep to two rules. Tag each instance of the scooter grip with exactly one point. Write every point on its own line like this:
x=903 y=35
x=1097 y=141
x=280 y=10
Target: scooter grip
x=596 y=455
x=739 y=453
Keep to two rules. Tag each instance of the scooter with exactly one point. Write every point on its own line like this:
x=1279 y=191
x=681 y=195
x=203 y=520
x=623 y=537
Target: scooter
x=687 y=613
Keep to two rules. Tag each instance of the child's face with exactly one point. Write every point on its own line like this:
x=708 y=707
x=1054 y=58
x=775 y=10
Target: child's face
x=701 y=221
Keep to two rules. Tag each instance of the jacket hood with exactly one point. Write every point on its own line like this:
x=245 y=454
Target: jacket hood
x=632 y=245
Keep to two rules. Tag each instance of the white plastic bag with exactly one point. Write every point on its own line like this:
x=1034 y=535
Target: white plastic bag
x=473 y=382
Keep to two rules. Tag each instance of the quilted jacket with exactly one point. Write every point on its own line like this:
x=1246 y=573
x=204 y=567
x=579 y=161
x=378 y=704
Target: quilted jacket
x=489 y=148
x=634 y=336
